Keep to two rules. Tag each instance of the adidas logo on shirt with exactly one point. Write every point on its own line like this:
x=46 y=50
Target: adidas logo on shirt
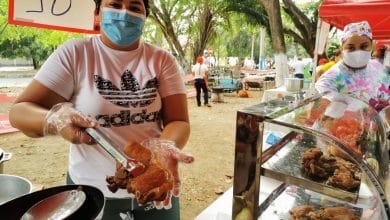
x=129 y=95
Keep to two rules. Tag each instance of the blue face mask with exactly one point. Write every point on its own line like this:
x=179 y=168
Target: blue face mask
x=122 y=27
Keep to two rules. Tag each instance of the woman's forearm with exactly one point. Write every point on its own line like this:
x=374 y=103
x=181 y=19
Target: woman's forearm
x=29 y=118
x=177 y=131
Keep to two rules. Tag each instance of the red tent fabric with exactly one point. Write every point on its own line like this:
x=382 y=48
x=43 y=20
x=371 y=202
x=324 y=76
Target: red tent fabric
x=380 y=43
x=341 y=12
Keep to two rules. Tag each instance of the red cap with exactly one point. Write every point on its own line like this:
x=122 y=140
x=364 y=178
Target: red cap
x=322 y=61
x=199 y=59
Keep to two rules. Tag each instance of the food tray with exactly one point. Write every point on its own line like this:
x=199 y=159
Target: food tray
x=285 y=166
x=294 y=196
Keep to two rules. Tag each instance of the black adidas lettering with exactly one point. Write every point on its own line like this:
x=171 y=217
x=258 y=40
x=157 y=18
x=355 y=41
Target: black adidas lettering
x=125 y=118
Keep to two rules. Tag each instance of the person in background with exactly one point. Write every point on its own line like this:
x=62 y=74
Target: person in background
x=333 y=60
x=211 y=61
x=386 y=60
x=200 y=72
x=356 y=74
x=299 y=68
x=321 y=63
x=379 y=53
x=130 y=89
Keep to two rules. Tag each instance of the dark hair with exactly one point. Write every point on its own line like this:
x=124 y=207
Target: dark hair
x=99 y=2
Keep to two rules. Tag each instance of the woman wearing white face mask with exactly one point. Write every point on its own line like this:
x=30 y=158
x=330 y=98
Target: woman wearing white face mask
x=357 y=73
x=131 y=89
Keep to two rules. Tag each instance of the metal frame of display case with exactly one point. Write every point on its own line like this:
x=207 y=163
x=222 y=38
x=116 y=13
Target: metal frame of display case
x=250 y=126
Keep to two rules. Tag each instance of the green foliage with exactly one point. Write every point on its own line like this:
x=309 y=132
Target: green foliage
x=240 y=45
x=234 y=23
x=26 y=47
x=331 y=48
x=239 y=22
x=311 y=10
x=299 y=25
x=253 y=12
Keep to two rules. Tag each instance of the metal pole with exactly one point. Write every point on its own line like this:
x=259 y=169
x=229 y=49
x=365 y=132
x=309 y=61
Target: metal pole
x=260 y=66
x=262 y=48
x=253 y=46
x=316 y=48
x=246 y=184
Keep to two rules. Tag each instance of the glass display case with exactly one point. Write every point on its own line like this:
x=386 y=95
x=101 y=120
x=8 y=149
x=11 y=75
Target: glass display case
x=330 y=153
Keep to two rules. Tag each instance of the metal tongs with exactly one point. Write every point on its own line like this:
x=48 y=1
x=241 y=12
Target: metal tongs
x=134 y=167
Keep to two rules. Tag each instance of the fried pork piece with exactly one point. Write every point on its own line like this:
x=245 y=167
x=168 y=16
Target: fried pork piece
x=338 y=213
x=315 y=165
x=339 y=173
x=344 y=179
x=121 y=177
x=308 y=212
x=300 y=212
x=152 y=185
x=346 y=175
x=119 y=180
x=138 y=152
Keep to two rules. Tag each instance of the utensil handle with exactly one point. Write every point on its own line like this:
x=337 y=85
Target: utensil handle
x=131 y=165
x=107 y=145
x=7 y=156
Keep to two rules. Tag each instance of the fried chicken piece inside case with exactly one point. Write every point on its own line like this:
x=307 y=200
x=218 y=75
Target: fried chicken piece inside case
x=338 y=172
x=301 y=212
x=309 y=212
x=153 y=184
x=316 y=165
x=344 y=179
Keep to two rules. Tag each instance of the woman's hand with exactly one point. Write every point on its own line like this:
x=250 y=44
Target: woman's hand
x=66 y=121
x=168 y=155
x=160 y=180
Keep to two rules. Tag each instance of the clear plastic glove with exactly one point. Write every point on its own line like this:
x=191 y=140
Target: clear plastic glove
x=64 y=120
x=168 y=155
x=336 y=109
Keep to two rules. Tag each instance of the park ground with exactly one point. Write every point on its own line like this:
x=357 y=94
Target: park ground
x=44 y=160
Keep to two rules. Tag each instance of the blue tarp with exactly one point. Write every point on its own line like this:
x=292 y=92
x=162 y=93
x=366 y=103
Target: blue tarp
x=229 y=85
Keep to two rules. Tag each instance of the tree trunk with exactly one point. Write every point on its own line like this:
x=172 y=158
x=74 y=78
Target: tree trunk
x=272 y=8
x=206 y=28
x=35 y=63
x=305 y=26
x=162 y=17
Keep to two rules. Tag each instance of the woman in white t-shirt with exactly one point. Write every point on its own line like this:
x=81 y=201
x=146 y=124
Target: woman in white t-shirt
x=130 y=89
x=200 y=71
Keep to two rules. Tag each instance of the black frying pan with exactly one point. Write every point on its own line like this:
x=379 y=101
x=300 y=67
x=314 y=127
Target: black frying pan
x=92 y=206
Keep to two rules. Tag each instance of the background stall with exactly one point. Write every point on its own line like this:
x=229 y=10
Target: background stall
x=339 y=13
x=336 y=13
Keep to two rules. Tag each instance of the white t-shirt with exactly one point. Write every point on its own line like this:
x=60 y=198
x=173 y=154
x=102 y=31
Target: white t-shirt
x=199 y=70
x=299 y=66
x=121 y=89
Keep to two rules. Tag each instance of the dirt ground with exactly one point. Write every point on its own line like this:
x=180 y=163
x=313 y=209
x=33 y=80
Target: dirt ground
x=44 y=160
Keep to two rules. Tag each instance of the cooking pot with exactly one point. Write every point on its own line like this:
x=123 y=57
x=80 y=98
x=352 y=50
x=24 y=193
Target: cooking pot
x=90 y=209
x=12 y=186
x=293 y=84
x=4 y=157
